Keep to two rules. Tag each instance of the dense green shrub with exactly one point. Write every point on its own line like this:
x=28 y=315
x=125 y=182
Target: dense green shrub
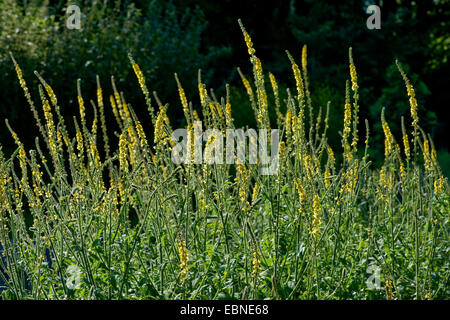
x=163 y=40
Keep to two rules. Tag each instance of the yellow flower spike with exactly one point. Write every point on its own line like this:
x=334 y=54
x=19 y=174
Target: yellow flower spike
x=389 y=138
x=402 y=171
x=304 y=58
x=132 y=145
x=202 y=93
x=274 y=84
x=183 y=99
x=412 y=103
x=247 y=85
x=115 y=111
x=228 y=111
x=438 y=186
x=331 y=157
x=159 y=133
x=51 y=94
x=389 y=290
x=22 y=155
x=353 y=75
x=141 y=80
x=141 y=134
x=212 y=111
x=326 y=177
x=118 y=103
x=247 y=39
x=256 y=265
x=219 y=111
x=250 y=93
x=300 y=190
x=406 y=146
x=184 y=259
x=81 y=104
x=426 y=155
x=94 y=154
x=316 y=216
x=347 y=121
x=123 y=152
x=102 y=117
x=262 y=114
x=208 y=156
x=94 y=128
x=242 y=179
x=24 y=87
x=255 y=192
x=99 y=96
x=51 y=130
x=80 y=145
x=288 y=123
x=297 y=76
x=298 y=81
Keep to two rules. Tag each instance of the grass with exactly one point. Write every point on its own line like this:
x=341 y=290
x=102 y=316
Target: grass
x=127 y=223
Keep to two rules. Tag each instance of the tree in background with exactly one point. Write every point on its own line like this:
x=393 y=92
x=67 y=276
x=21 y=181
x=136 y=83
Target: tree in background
x=162 y=38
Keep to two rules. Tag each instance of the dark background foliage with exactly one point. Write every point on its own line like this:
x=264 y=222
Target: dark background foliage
x=185 y=35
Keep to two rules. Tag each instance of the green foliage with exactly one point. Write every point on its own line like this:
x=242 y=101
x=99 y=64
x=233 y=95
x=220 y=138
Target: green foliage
x=443 y=157
x=162 y=38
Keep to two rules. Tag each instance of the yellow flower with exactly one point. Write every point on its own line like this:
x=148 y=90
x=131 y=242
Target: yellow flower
x=123 y=152
x=304 y=58
x=426 y=155
x=184 y=259
x=331 y=157
x=140 y=77
x=389 y=138
x=439 y=186
x=326 y=177
x=208 y=156
x=94 y=153
x=243 y=180
x=141 y=134
x=51 y=94
x=247 y=39
x=412 y=101
x=255 y=192
x=183 y=99
x=413 y=104
x=228 y=111
x=354 y=77
x=347 y=120
x=202 y=93
x=256 y=265
x=316 y=216
x=80 y=146
x=406 y=145
x=389 y=290
x=81 y=104
x=159 y=133
x=300 y=189
x=114 y=110
x=402 y=171
x=298 y=80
